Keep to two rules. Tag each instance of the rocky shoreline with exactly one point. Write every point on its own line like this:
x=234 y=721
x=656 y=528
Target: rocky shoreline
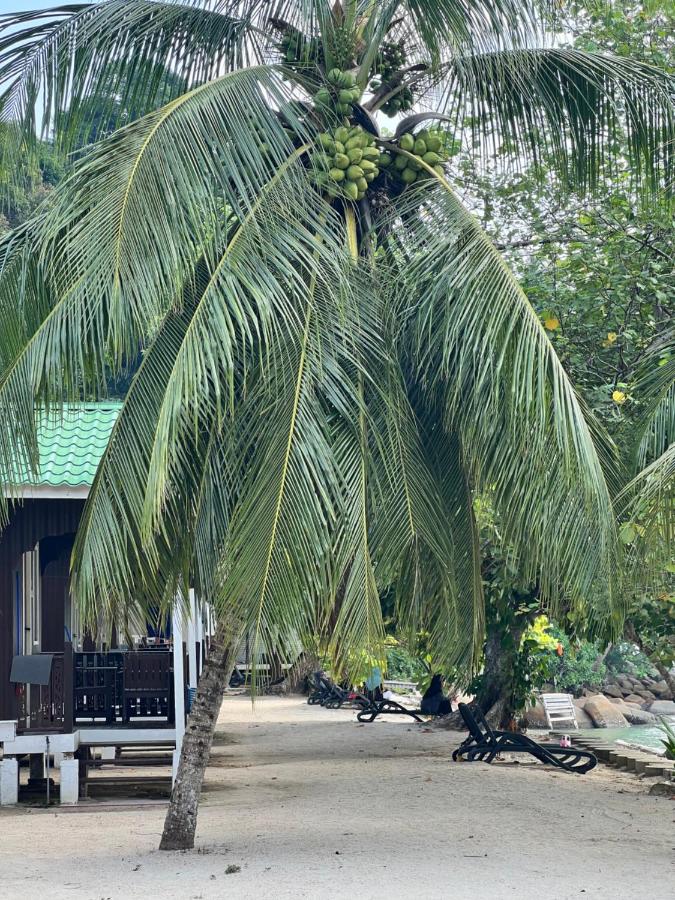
x=624 y=700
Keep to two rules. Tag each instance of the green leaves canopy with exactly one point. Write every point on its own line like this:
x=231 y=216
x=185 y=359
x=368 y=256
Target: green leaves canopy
x=307 y=427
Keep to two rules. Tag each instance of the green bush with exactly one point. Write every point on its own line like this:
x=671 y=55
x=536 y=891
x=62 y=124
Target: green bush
x=625 y=658
x=577 y=668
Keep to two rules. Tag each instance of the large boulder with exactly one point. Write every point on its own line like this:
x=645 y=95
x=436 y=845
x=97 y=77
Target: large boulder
x=612 y=690
x=662 y=690
x=638 y=716
x=634 y=698
x=646 y=695
x=583 y=719
x=536 y=715
x=604 y=713
x=662 y=708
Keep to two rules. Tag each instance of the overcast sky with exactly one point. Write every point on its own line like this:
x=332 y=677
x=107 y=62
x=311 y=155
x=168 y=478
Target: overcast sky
x=19 y=5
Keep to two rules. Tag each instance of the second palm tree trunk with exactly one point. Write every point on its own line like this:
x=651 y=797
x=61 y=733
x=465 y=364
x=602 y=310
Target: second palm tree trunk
x=181 y=818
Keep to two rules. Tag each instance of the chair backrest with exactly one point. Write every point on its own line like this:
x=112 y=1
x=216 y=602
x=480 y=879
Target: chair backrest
x=559 y=708
x=474 y=719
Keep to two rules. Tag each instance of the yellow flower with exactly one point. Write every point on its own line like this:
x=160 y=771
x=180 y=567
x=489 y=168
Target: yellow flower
x=551 y=323
x=611 y=337
x=618 y=397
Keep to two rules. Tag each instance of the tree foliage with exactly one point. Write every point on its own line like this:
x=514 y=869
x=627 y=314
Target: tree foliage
x=326 y=384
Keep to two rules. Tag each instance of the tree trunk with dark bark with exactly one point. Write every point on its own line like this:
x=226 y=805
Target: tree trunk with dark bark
x=181 y=818
x=496 y=696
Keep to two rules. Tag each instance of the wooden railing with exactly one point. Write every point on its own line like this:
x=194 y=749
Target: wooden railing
x=118 y=688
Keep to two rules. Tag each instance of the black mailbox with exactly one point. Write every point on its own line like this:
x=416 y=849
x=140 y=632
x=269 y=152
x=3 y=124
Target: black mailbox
x=31 y=669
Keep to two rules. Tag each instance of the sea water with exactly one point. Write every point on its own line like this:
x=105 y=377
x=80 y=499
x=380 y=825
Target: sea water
x=647 y=735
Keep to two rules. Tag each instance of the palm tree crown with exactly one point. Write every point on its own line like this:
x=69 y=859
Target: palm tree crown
x=336 y=360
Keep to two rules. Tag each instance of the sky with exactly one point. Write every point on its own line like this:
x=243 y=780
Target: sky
x=8 y=6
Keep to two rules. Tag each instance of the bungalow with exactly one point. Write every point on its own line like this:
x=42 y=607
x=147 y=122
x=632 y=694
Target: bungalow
x=61 y=692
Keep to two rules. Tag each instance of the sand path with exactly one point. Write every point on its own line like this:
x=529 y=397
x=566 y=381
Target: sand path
x=309 y=804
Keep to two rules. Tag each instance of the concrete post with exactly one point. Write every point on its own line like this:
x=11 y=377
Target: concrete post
x=9 y=781
x=192 y=641
x=70 y=780
x=108 y=753
x=178 y=684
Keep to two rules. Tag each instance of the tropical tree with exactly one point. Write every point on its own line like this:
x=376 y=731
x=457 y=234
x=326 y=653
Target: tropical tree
x=336 y=359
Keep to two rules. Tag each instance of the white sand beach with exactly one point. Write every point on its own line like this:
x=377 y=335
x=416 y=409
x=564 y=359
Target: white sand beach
x=309 y=804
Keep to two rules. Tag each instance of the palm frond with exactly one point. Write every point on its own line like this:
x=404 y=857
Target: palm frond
x=77 y=70
x=656 y=389
x=582 y=112
x=278 y=569
x=477 y=348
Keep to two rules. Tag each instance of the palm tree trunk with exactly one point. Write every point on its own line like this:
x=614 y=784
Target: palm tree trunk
x=181 y=818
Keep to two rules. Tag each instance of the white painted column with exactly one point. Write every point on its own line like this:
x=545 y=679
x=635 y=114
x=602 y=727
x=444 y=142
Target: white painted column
x=9 y=781
x=199 y=624
x=70 y=780
x=191 y=640
x=178 y=685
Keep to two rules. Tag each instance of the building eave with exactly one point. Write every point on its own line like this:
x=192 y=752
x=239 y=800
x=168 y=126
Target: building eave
x=48 y=492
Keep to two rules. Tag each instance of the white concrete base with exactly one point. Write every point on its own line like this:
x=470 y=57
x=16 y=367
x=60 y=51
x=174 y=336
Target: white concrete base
x=69 y=780
x=57 y=757
x=122 y=737
x=9 y=782
x=174 y=767
x=36 y=743
x=7 y=730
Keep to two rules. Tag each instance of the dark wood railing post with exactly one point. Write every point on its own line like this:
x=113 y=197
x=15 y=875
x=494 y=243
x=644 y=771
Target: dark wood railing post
x=68 y=687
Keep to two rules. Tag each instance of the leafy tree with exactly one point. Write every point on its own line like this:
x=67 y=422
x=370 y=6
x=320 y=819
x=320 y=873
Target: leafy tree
x=336 y=356
x=599 y=271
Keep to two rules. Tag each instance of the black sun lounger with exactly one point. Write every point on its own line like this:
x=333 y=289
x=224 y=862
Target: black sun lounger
x=387 y=707
x=483 y=744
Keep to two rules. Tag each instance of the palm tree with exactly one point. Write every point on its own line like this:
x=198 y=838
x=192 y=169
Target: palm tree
x=336 y=360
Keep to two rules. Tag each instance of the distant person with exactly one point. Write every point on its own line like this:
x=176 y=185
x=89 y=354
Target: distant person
x=434 y=702
x=374 y=684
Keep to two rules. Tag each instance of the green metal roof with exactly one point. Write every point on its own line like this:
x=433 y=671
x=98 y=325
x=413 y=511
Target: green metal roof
x=72 y=442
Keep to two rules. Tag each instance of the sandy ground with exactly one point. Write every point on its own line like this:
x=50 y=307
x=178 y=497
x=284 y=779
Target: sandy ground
x=310 y=804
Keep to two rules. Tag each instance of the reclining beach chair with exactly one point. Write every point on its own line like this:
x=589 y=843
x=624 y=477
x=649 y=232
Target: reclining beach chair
x=343 y=698
x=332 y=696
x=323 y=689
x=388 y=707
x=483 y=744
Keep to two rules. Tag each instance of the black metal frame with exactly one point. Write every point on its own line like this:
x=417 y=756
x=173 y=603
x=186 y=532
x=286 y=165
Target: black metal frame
x=484 y=744
x=388 y=707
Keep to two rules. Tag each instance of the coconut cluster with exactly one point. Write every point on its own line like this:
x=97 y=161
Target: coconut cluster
x=429 y=147
x=348 y=162
x=387 y=71
x=340 y=93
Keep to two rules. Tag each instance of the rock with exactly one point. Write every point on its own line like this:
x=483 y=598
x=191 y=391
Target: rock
x=625 y=684
x=536 y=716
x=662 y=708
x=634 y=698
x=647 y=682
x=583 y=719
x=638 y=716
x=612 y=690
x=604 y=713
x=662 y=690
x=646 y=695
x=633 y=714
x=663 y=789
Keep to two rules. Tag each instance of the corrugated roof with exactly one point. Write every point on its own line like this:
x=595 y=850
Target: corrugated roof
x=72 y=442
